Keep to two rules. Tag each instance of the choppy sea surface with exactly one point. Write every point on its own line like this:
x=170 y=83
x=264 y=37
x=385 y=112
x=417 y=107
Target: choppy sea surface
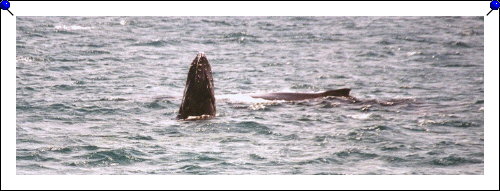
x=99 y=95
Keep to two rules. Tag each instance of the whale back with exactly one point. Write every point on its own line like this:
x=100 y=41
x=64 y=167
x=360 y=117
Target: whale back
x=289 y=96
x=339 y=92
x=198 y=99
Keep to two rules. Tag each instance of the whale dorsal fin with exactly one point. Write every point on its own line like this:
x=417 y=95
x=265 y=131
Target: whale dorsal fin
x=339 y=92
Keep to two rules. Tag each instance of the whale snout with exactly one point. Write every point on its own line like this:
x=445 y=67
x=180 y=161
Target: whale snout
x=200 y=54
x=200 y=60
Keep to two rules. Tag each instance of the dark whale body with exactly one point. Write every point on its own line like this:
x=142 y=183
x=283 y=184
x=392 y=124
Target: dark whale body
x=198 y=101
x=303 y=96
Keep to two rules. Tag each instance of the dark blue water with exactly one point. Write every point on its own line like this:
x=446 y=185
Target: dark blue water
x=99 y=95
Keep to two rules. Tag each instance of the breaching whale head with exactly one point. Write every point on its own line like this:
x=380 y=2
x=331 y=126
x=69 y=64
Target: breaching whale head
x=198 y=100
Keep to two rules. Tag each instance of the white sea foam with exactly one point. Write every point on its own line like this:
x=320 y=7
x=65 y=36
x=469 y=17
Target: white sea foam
x=241 y=98
x=123 y=22
x=24 y=59
x=360 y=116
x=71 y=27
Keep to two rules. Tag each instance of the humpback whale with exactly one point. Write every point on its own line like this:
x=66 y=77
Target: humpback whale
x=198 y=101
x=288 y=96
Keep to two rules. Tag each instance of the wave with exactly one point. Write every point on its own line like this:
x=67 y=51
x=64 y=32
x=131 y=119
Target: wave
x=110 y=157
x=154 y=43
x=251 y=126
x=458 y=44
x=453 y=160
x=71 y=28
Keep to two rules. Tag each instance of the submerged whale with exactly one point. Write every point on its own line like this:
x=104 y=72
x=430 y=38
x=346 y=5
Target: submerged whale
x=198 y=101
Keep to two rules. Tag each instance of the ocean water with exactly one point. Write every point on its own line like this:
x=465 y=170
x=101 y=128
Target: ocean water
x=99 y=95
